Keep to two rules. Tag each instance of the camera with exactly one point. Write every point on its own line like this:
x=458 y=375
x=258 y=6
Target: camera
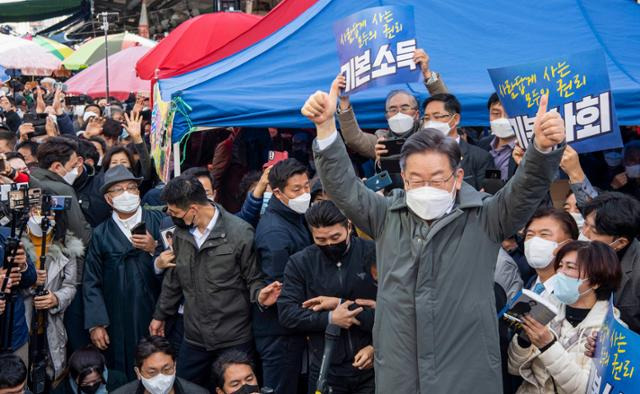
x=38 y=121
x=77 y=100
x=24 y=197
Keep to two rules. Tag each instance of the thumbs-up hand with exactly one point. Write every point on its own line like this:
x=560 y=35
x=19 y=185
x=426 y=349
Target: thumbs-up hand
x=321 y=106
x=548 y=127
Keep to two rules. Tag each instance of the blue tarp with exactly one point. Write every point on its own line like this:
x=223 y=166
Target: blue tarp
x=267 y=83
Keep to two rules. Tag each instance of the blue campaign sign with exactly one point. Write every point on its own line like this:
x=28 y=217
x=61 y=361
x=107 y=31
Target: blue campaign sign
x=578 y=87
x=616 y=358
x=376 y=47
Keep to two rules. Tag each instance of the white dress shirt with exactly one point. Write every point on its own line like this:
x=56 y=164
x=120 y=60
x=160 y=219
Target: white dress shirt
x=201 y=237
x=125 y=225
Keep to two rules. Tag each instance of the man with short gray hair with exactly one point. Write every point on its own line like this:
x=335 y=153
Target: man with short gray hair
x=437 y=242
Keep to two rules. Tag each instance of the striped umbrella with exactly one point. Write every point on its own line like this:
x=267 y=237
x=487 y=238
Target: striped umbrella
x=55 y=48
x=93 y=50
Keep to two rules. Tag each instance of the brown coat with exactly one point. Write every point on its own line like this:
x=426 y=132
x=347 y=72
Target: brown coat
x=365 y=143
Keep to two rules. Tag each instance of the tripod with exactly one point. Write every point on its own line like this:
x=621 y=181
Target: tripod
x=11 y=249
x=38 y=349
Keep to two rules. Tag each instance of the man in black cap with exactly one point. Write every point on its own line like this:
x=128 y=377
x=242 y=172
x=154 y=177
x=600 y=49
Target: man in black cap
x=120 y=287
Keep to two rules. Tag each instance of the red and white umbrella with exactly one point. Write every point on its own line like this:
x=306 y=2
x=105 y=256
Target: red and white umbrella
x=27 y=56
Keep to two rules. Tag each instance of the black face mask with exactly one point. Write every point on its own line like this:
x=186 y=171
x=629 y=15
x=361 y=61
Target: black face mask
x=247 y=389
x=91 y=388
x=179 y=222
x=335 y=252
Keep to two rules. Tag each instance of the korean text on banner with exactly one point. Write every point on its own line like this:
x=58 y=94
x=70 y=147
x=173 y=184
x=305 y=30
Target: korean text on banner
x=376 y=47
x=617 y=358
x=578 y=87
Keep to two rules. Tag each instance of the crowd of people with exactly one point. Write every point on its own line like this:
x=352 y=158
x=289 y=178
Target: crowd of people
x=239 y=274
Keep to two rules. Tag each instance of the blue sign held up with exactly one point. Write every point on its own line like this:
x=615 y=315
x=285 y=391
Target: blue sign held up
x=617 y=359
x=376 y=47
x=578 y=87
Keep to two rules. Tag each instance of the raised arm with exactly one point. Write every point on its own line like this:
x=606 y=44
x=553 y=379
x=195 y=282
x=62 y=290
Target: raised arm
x=366 y=209
x=578 y=181
x=508 y=210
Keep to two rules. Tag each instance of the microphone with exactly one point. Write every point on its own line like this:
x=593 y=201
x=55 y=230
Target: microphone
x=331 y=335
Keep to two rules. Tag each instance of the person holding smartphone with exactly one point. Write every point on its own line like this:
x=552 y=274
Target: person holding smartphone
x=120 y=286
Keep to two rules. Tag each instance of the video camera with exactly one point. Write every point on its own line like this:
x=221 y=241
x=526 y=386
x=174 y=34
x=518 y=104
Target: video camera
x=17 y=196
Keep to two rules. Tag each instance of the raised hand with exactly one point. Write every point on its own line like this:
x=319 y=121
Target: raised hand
x=261 y=186
x=94 y=127
x=58 y=102
x=133 y=125
x=421 y=58
x=321 y=106
x=571 y=165
x=341 y=83
x=548 y=127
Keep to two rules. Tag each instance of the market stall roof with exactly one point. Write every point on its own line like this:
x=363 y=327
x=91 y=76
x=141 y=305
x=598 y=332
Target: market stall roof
x=267 y=83
x=36 y=10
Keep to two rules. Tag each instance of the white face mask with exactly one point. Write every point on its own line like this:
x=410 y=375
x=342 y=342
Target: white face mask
x=300 y=204
x=34 y=225
x=578 y=218
x=71 y=176
x=78 y=110
x=400 y=123
x=126 y=202
x=501 y=128
x=429 y=202
x=633 y=171
x=539 y=252
x=159 y=384
x=442 y=127
x=583 y=237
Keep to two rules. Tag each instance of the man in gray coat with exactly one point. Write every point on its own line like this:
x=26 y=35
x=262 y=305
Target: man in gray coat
x=436 y=329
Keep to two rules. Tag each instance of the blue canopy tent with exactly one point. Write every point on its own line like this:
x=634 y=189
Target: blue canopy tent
x=266 y=84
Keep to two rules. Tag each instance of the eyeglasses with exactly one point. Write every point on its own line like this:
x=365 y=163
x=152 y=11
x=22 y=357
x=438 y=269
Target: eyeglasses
x=427 y=118
x=403 y=108
x=437 y=183
x=167 y=370
x=119 y=190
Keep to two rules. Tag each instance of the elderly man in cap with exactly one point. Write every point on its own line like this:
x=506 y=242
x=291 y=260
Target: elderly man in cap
x=120 y=287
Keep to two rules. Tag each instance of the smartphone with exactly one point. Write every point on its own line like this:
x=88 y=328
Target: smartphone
x=390 y=165
x=139 y=229
x=393 y=145
x=379 y=181
x=60 y=203
x=2 y=164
